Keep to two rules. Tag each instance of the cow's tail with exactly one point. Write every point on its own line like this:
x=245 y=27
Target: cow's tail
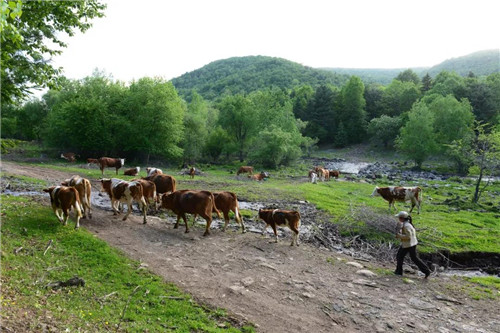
x=174 y=184
x=214 y=207
x=236 y=208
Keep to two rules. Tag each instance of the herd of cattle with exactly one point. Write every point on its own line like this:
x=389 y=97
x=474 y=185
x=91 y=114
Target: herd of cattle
x=159 y=190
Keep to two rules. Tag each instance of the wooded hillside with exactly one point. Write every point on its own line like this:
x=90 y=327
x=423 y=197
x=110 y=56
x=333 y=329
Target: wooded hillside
x=246 y=74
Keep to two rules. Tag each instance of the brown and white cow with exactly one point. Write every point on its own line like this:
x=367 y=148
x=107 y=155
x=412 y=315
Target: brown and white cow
x=399 y=193
x=148 y=190
x=150 y=171
x=132 y=171
x=313 y=176
x=84 y=189
x=226 y=202
x=192 y=202
x=260 y=176
x=282 y=218
x=192 y=172
x=334 y=173
x=126 y=192
x=108 y=162
x=164 y=184
x=62 y=198
x=323 y=174
x=70 y=157
x=245 y=169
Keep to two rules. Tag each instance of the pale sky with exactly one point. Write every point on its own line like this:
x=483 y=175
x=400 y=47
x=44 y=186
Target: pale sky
x=169 y=38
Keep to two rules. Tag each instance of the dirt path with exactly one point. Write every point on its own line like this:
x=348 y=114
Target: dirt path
x=286 y=289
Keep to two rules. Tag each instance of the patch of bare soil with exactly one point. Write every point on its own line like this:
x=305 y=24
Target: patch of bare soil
x=287 y=289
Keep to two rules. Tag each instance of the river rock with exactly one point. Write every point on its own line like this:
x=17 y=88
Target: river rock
x=366 y=272
x=355 y=264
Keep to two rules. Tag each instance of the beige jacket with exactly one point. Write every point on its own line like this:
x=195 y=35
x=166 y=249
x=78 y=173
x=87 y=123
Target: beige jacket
x=407 y=235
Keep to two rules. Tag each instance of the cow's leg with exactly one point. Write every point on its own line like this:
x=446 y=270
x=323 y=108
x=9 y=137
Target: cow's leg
x=208 y=218
x=129 y=208
x=194 y=219
x=239 y=219
x=295 y=235
x=144 y=209
x=185 y=222
x=275 y=232
x=264 y=230
x=59 y=215
x=66 y=215
x=177 y=222
x=226 y=219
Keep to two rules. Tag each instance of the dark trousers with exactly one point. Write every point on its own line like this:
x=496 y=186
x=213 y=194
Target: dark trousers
x=413 y=255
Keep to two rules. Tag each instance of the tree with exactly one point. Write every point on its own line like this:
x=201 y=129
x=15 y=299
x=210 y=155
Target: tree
x=373 y=97
x=274 y=146
x=352 y=112
x=446 y=83
x=426 y=83
x=239 y=120
x=417 y=138
x=384 y=129
x=408 y=76
x=321 y=116
x=300 y=98
x=26 y=28
x=399 y=97
x=195 y=128
x=452 y=119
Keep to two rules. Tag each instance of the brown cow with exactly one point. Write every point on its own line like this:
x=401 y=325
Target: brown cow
x=111 y=163
x=260 y=176
x=282 y=218
x=70 y=157
x=148 y=190
x=62 y=198
x=323 y=174
x=164 y=184
x=191 y=202
x=132 y=171
x=398 y=193
x=226 y=202
x=245 y=169
x=126 y=192
x=84 y=189
x=150 y=171
x=92 y=161
x=334 y=173
x=192 y=172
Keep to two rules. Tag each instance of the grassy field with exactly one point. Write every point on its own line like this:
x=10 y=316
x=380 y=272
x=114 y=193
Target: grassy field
x=448 y=219
x=119 y=294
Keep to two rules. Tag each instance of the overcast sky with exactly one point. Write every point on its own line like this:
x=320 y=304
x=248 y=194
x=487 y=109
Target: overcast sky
x=169 y=38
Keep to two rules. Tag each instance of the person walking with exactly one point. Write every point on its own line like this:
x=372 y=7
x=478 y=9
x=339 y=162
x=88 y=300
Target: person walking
x=408 y=236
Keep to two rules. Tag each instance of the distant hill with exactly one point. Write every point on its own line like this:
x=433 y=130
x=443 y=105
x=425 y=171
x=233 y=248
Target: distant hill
x=479 y=63
x=247 y=74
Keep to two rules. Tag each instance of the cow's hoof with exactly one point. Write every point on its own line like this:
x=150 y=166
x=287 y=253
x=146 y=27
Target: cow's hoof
x=90 y=216
x=144 y=222
x=186 y=232
x=206 y=234
x=176 y=226
x=124 y=219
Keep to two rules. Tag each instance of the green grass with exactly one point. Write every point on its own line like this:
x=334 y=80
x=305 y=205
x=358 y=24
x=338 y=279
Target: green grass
x=460 y=226
x=156 y=306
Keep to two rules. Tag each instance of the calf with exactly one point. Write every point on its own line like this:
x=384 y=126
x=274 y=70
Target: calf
x=398 y=193
x=334 y=173
x=259 y=176
x=132 y=171
x=84 y=189
x=153 y=171
x=62 y=198
x=192 y=172
x=148 y=190
x=126 y=192
x=245 y=169
x=313 y=177
x=108 y=162
x=282 y=218
x=70 y=157
x=191 y=202
x=226 y=202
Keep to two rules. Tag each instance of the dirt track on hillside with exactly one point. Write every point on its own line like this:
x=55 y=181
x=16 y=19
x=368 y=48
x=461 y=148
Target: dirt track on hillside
x=281 y=288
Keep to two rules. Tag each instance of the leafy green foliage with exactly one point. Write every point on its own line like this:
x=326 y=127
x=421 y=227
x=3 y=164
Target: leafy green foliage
x=384 y=129
x=242 y=75
x=417 y=138
x=352 y=110
x=26 y=28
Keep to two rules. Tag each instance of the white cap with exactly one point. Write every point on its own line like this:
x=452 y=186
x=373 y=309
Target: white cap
x=402 y=214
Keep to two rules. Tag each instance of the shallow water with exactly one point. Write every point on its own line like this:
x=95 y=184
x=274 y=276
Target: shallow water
x=347 y=167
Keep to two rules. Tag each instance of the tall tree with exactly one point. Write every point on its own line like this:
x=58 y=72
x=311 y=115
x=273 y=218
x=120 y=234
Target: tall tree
x=300 y=98
x=239 y=120
x=25 y=52
x=195 y=128
x=352 y=113
x=417 y=138
x=399 y=97
x=408 y=76
x=426 y=83
x=373 y=97
x=384 y=129
x=321 y=114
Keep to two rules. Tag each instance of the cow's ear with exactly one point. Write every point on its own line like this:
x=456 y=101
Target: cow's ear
x=46 y=190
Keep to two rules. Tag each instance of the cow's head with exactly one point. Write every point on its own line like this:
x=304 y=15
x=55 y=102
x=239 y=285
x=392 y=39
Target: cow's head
x=167 y=200
x=375 y=192
x=105 y=184
x=65 y=182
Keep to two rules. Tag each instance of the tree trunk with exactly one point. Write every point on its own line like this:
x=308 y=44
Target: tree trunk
x=478 y=184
